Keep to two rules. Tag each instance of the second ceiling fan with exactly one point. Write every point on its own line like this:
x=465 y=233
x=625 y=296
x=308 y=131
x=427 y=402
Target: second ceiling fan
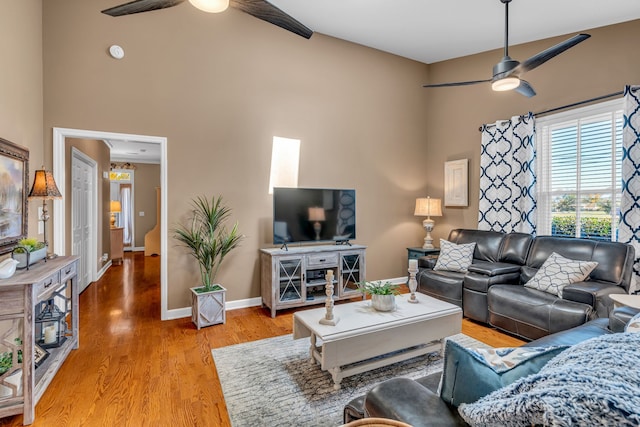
x=261 y=9
x=508 y=72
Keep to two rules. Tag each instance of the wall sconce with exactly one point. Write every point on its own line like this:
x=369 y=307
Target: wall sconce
x=114 y=207
x=428 y=207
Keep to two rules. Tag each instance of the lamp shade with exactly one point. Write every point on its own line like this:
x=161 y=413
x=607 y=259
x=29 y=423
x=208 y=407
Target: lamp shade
x=316 y=214
x=428 y=207
x=44 y=186
x=211 y=6
x=115 y=206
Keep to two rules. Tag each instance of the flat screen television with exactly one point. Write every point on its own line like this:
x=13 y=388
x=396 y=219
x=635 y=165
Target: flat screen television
x=313 y=215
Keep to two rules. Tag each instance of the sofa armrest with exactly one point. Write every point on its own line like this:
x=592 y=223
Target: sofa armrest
x=405 y=400
x=493 y=268
x=594 y=293
x=620 y=316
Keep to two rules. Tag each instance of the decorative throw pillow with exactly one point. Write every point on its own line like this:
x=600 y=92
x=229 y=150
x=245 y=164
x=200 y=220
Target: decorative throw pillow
x=470 y=374
x=633 y=325
x=557 y=272
x=593 y=383
x=454 y=257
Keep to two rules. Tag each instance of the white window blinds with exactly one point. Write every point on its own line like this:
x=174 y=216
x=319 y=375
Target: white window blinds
x=579 y=180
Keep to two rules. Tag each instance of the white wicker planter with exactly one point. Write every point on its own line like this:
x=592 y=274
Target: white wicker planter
x=208 y=308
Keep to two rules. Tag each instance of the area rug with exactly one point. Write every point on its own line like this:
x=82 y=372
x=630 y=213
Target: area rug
x=272 y=383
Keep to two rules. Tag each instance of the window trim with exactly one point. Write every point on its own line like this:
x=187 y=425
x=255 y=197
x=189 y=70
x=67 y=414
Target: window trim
x=543 y=157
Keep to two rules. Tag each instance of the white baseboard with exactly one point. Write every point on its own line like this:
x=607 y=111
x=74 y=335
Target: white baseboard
x=134 y=249
x=397 y=280
x=103 y=270
x=179 y=313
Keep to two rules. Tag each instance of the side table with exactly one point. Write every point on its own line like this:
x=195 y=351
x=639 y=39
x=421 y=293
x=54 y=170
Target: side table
x=415 y=253
x=632 y=301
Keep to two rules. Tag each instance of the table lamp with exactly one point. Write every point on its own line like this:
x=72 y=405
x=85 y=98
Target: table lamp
x=45 y=188
x=115 y=207
x=428 y=207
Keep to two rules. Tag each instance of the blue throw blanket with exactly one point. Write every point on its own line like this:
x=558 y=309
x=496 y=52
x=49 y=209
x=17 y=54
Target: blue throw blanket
x=594 y=383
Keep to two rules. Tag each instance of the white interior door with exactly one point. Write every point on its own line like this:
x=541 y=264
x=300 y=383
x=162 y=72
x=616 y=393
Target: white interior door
x=83 y=217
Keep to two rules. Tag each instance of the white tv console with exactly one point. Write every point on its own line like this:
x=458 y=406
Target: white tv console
x=296 y=277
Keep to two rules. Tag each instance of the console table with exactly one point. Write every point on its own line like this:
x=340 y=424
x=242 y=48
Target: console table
x=296 y=277
x=22 y=385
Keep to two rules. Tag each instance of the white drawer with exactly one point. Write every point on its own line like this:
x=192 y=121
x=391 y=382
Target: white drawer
x=45 y=288
x=322 y=260
x=67 y=272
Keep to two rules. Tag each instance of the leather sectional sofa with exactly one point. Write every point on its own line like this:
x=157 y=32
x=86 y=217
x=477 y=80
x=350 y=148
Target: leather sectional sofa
x=491 y=290
x=416 y=402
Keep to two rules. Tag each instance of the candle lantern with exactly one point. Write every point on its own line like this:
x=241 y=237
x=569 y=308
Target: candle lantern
x=50 y=326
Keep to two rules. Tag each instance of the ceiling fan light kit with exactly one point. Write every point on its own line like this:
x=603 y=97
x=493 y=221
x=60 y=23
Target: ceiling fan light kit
x=508 y=83
x=507 y=74
x=211 y=6
x=260 y=9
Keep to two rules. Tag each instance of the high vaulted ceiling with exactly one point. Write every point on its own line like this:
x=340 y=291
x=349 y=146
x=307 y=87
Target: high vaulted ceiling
x=435 y=30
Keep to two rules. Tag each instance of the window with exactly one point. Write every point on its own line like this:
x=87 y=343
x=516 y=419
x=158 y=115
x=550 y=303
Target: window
x=579 y=177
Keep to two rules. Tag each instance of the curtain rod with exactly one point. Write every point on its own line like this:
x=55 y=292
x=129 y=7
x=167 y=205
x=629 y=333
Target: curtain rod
x=575 y=104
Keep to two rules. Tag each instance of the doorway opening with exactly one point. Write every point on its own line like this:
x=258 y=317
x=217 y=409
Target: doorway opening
x=60 y=175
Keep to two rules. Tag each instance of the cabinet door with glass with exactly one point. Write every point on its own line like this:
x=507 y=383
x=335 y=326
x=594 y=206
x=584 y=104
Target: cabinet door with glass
x=290 y=279
x=352 y=271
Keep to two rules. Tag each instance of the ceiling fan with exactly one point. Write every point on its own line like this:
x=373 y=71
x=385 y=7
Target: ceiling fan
x=507 y=73
x=261 y=9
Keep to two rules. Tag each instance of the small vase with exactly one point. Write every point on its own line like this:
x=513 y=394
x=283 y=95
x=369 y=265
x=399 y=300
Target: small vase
x=383 y=302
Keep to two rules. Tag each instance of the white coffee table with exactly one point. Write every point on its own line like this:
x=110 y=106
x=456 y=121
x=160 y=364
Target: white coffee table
x=366 y=339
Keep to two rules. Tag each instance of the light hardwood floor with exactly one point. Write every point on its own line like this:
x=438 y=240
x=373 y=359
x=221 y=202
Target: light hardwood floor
x=134 y=370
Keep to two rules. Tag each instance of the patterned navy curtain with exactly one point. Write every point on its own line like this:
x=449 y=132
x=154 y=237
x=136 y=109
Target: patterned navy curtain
x=629 y=229
x=507 y=176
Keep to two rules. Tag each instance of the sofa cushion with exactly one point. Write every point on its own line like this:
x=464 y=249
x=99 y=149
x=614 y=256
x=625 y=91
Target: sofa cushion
x=634 y=324
x=470 y=374
x=488 y=243
x=531 y=313
x=454 y=257
x=596 y=382
x=557 y=272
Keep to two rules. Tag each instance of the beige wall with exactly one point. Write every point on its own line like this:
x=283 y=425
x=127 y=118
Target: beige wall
x=219 y=87
x=98 y=151
x=147 y=178
x=21 y=85
x=600 y=65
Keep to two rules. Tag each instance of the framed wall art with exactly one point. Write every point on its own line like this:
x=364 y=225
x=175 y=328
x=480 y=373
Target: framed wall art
x=456 y=183
x=14 y=180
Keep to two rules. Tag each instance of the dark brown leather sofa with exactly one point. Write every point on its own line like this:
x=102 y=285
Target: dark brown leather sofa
x=492 y=290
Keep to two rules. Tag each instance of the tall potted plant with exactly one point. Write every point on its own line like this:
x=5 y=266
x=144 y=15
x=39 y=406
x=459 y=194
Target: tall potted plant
x=209 y=242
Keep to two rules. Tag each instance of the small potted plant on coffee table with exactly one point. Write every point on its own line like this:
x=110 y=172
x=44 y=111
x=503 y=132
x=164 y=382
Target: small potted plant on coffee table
x=209 y=242
x=383 y=295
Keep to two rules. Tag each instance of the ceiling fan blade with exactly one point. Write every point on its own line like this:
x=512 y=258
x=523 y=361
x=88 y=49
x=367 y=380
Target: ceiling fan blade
x=545 y=55
x=264 y=10
x=472 y=82
x=525 y=89
x=138 y=6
